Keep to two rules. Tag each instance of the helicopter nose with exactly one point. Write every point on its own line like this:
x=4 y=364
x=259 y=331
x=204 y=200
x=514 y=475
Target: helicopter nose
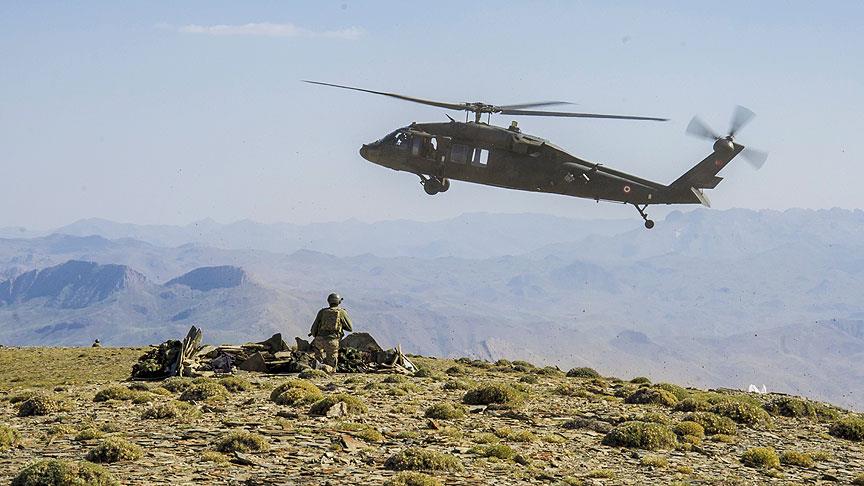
x=364 y=151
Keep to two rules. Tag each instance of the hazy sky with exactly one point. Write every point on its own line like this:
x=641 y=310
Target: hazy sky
x=169 y=112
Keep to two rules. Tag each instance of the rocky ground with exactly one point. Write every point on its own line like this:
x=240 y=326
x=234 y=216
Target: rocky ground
x=542 y=427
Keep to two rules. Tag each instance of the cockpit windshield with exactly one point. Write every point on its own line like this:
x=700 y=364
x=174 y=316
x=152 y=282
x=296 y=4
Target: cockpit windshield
x=396 y=137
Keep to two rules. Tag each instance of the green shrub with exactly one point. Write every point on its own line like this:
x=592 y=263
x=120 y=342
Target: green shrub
x=172 y=410
x=235 y=384
x=652 y=396
x=412 y=478
x=530 y=379
x=713 y=423
x=8 y=437
x=296 y=392
x=795 y=458
x=416 y=459
x=89 y=433
x=54 y=472
x=680 y=392
x=431 y=374
x=522 y=436
x=658 y=462
x=215 y=457
x=689 y=432
x=790 y=407
x=353 y=405
x=859 y=480
x=309 y=374
x=242 y=441
x=176 y=384
x=204 y=391
x=455 y=371
x=38 y=405
x=114 y=449
x=458 y=385
x=445 y=410
x=693 y=404
x=849 y=428
x=496 y=395
x=486 y=438
x=571 y=390
x=641 y=380
x=499 y=451
x=583 y=373
x=115 y=393
x=761 y=458
x=742 y=412
x=642 y=435
x=363 y=431
x=548 y=371
x=21 y=396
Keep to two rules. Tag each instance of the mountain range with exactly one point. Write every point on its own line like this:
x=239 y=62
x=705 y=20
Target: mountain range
x=709 y=298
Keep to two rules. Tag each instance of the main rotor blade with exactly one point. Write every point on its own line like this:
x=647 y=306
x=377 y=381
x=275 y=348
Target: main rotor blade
x=532 y=105
x=740 y=117
x=439 y=104
x=698 y=128
x=578 y=115
x=756 y=158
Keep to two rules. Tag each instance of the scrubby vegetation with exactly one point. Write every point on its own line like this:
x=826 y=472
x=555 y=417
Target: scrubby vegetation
x=445 y=411
x=795 y=458
x=8 y=437
x=41 y=404
x=296 y=392
x=310 y=374
x=235 y=384
x=353 y=405
x=174 y=410
x=652 y=396
x=205 y=391
x=583 y=373
x=713 y=423
x=742 y=412
x=242 y=441
x=498 y=451
x=849 y=428
x=416 y=459
x=176 y=384
x=412 y=478
x=498 y=395
x=89 y=433
x=642 y=435
x=114 y=449
x=53 y=472
x=640 y=380
x=689 y=432
x=363 y=431
x=761 y=458
x=115 y=393
x=658 y=462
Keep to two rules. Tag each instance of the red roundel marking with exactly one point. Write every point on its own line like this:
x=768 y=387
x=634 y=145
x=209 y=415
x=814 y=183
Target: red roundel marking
x=718 y=162
x=626 y=189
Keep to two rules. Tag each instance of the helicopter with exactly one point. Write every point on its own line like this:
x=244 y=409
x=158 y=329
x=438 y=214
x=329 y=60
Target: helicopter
x=482 y=153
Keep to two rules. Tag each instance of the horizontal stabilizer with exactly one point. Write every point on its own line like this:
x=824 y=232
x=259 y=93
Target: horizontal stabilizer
x=701 y=197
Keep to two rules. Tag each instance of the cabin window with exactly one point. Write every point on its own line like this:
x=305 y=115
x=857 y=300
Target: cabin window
x=481 y=157
x=459 y=154
x=416 y=146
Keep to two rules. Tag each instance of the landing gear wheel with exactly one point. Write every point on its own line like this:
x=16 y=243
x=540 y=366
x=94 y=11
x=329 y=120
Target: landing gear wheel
x=445 y=185
x=648 y=223
x=431 y=187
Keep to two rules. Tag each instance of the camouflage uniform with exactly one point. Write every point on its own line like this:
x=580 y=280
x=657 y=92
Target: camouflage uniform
x=329 y=327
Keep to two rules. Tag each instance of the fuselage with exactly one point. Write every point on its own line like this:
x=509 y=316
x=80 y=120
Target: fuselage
x=505 y=157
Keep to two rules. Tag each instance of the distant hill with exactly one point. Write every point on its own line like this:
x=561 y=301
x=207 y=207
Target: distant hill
x=700 y=299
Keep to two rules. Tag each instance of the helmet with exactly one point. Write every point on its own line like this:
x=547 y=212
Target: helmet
x=334 y=299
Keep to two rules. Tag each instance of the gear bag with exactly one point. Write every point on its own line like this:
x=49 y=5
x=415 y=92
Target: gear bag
x=330 y=324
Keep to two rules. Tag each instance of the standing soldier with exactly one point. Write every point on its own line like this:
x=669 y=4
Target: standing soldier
x=329 y=327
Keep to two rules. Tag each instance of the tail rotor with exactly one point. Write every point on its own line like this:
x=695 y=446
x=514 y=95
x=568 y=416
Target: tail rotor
x=740 y=117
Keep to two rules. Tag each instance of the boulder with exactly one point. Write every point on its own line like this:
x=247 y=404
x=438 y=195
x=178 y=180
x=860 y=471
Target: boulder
x=361 y=341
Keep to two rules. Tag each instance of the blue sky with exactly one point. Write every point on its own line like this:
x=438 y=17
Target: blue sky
x=169 y=112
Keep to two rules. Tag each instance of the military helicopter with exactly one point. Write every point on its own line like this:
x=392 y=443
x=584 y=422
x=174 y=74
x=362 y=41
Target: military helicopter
x=486 y=154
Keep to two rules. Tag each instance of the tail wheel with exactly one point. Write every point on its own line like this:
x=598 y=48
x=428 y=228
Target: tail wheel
x=649 y=223
x=431 y=187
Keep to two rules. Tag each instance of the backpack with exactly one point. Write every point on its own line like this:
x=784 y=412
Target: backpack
x=330 y=324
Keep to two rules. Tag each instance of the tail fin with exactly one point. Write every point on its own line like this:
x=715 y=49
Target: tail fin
x=704 y=174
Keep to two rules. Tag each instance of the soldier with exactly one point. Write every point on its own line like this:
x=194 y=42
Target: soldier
x=329 y=327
